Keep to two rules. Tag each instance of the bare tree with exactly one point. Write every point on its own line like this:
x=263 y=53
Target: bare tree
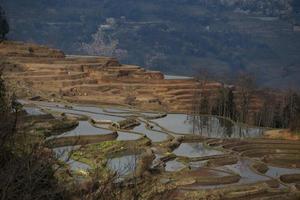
x=246 y=85
x=292 y=110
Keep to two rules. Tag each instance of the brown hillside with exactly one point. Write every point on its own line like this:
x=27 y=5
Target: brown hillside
x=104 y=80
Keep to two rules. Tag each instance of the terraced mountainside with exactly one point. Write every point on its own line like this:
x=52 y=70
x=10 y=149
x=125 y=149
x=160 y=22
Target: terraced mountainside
x=37 y=70
x=159 y=155
x=225 y=37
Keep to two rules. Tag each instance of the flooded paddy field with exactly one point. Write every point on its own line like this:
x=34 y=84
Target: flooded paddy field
x=195 y=150
x=207 y=126
x=123 y=165
x=188 y=156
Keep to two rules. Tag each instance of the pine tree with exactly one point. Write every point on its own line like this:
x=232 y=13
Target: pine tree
x=4 y=27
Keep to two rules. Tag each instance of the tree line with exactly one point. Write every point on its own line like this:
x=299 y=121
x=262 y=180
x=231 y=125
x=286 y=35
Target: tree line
x=4 y=27
x=246 y=103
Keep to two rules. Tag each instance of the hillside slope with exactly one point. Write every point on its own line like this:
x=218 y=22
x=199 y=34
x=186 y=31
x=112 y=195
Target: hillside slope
x=174 y=36
x=37 y=70
x=32 y=70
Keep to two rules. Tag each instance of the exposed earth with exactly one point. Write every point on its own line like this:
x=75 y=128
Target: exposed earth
x=48 y=73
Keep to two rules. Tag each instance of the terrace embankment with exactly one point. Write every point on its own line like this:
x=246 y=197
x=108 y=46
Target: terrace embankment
x=279 y=153
x=187 y=166
x=38 y=70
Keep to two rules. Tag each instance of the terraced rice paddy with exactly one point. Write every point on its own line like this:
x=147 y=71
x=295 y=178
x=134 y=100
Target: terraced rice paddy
x=173 y=165
x=124 y=165
x=220 y=156
x=195 y=150
x=208 y=126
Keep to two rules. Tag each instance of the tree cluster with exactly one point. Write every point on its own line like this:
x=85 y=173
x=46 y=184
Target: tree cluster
x=4 y=27
x=280 y=111
x=245 y=103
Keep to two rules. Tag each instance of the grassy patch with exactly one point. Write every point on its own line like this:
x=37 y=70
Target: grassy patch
x=96 y=155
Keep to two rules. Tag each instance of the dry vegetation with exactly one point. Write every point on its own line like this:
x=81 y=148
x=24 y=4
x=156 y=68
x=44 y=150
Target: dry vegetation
x=26 y=167
x=29 y=170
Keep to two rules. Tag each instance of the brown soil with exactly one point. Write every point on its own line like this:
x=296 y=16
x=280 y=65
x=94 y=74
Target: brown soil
x=282 y=134
x=99 y=80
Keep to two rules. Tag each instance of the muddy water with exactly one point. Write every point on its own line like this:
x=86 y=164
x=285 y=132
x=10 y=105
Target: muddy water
x=208 y=126
x=195 y=150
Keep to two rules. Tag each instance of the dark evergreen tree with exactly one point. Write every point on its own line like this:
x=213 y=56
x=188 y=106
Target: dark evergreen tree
x=4 y=27
x=230 y=105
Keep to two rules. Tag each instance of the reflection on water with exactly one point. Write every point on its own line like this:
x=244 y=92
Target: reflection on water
x=276 y=172
x=124 y=136
x=152 y=135
x=195 y=150
x=62 y=153
x=209 y=126
x=176 y=123
x=244 y=170
x=171 y=77
x=33 y=110
x=85 y=128
x=174 y=166
x=241 y=168
x=197 y=164
x=90 y=111
x=75 y=165
x=123 y=165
